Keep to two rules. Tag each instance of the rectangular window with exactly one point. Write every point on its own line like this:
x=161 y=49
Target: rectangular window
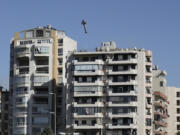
x=39 y=33
x=178 y=110
x=161 y=83
x=178 y=119
x=60 y=52
x=83 y=122
x=47 y=34
x=178 y=127
x=178 y=102
x=29 y=34
x=178 y=94
x=40 y=120
x=60 y=42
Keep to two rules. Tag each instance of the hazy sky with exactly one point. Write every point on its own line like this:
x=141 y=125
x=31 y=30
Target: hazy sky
x=149 y=24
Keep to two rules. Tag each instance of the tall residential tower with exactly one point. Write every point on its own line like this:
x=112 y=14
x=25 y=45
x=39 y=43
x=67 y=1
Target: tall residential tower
x=38 y=80
x=112 y=92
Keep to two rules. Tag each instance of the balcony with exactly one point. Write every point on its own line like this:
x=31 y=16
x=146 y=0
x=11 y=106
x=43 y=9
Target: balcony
x=132 y=126
x=131 y=82
x=41 y=91
x=96 y=83
x=161 y=95
x=21 y=104
x=22 y=52
x=122 y=115
x=160 y=123
x=130 y=93
x=160 y=104
x=88 y=94
x=41 y=80
x=88 y=73
x=160 y=132
x=96 y=126
x=96 y=104
x=131 y=71
x=41 y=51
x=128 y=61
x=163 y=115
x=97 y=61
x=96 y=115
x=125 y=104
x=22 y=81
x=21 y=124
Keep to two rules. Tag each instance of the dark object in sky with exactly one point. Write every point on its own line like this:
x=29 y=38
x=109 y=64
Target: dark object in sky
x=84 y=24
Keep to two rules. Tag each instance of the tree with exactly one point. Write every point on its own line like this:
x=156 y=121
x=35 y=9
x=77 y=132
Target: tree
x=47 y=131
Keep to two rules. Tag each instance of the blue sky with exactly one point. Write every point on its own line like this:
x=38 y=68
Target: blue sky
x=149 y=24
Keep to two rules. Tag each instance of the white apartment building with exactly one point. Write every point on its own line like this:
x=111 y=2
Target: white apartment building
x=174 y=110
x=38 y=80
x=160 y=103
x=111 y=92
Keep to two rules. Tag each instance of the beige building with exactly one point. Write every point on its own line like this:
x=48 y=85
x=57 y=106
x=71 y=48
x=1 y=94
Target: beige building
x=38 y=80
x=112 y=92
x=174 y=110
x=160 y=103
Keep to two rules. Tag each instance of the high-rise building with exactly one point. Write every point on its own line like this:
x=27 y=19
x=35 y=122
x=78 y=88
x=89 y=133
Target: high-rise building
x=160 y=103
x=1 y=110
x=38 y=81
x=111 y=92
x=173 y=110
x=5 y=112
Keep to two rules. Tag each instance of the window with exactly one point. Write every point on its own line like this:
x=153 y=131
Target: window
x=178 y=94
x=29 y=34
x=161 y=83
x=178 y=119
x=41 y=50
x=40 y=120
x=60 y=42
x=148 y=122
x=60 y=61
x=83 y=122
x=47 y=34
x=60 y=52
x=178 y=110
x=178 y=127
x=93 y=122
x=20 y=120
x=39 y=33
x=76 y=122
x=178 y=102
x=89 y=79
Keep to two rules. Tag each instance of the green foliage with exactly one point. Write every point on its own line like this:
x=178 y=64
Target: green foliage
x=47 y=131
x=178 y=133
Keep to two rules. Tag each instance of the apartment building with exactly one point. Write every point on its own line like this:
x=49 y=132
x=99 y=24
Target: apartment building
x=174 y=110
x=38 y=80
x=160 y=103
x=1 y=88
x=5 y=112
x=111 y=93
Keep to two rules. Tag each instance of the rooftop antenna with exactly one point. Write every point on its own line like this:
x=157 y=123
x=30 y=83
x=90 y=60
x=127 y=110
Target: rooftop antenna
x=84 y=24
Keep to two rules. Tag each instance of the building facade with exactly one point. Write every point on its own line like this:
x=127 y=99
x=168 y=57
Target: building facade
x=5 y=112
x=1 y=88
x=111 y=93
x=38 y=81
x=174 y=110
x=160 y=103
